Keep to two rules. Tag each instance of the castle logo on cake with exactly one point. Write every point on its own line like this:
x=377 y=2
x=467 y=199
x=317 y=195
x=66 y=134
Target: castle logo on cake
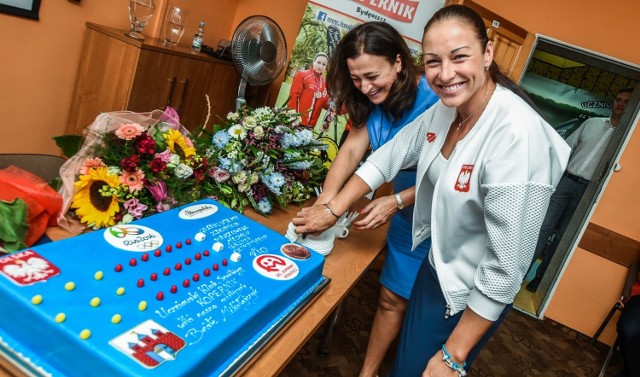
x=276 y=267
x=136 y=238
x=149 y=343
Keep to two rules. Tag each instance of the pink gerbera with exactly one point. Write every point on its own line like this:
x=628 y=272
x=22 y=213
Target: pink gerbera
x=133 y=180
x=94 y=162
x=129 y=131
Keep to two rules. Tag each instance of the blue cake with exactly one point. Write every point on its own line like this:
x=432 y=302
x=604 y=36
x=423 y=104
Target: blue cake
x=194 y=291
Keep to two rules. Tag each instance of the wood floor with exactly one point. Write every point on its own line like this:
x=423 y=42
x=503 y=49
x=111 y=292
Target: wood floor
x=523 y=346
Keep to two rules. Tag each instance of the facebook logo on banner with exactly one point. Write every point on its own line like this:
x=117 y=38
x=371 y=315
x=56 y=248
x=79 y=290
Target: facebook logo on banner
x=322 y=16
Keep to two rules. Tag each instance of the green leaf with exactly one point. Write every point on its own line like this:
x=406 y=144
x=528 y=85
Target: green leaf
x=69 y=144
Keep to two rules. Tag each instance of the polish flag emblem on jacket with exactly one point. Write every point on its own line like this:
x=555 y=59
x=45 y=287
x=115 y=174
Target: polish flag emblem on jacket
x=462 y=183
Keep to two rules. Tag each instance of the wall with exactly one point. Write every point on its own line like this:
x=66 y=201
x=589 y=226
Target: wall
x=40 y=60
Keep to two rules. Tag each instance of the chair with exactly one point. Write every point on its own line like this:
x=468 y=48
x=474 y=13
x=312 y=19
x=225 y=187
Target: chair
x=46 y=166
x=619 y=305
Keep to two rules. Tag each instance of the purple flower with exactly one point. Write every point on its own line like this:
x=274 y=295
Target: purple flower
x=135 y=208
x=158 y=190
x=220 y=175
x=164 y=156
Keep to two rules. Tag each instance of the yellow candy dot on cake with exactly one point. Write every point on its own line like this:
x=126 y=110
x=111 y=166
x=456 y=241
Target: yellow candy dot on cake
x=120 y=291
x=85 y=334
x=98 y=275
x=116 y=319
x=142 y=306
x=36 y=300
x=60 y=317
x=70 y=286
x=95 y=302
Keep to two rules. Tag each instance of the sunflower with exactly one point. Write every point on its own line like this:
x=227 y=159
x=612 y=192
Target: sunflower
x=91 y=205
x=175 y=139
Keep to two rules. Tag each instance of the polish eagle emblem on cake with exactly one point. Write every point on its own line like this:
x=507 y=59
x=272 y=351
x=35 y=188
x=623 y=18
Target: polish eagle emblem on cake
x=27 y=267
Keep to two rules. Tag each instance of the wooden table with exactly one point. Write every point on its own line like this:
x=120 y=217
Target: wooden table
x=345 y=265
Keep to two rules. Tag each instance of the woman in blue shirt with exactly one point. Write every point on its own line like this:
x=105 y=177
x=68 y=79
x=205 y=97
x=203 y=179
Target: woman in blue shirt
x=374 y=77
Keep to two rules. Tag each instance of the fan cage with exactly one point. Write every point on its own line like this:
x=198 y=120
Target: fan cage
x=254 y=35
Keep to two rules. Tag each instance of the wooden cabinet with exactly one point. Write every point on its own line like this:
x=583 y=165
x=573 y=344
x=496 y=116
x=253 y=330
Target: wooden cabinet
x=120 y=73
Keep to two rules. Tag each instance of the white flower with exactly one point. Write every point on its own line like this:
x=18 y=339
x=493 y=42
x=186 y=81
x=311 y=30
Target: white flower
x=234 y=117
x=183 y=171
x=249 y=122
x=258 y=132
x=237 y=132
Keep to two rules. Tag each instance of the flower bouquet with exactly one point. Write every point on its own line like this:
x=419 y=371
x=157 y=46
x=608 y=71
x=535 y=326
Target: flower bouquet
x=133 y=165
x=264 y=157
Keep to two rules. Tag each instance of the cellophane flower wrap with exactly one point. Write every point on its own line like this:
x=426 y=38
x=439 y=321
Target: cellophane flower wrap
x=132 y=165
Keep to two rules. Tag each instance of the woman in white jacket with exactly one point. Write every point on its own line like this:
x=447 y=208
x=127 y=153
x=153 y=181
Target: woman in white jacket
x=487 y=166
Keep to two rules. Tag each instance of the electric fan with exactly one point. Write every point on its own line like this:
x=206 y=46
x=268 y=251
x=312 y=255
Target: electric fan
x=259 y=53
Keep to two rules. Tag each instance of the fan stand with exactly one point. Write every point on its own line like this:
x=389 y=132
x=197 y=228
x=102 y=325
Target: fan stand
x=240 y=101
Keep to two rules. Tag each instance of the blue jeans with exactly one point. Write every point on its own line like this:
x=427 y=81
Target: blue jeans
x=562 y=205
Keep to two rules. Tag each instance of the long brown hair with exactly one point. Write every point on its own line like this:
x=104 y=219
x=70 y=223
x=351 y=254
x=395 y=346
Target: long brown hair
x=378 y=39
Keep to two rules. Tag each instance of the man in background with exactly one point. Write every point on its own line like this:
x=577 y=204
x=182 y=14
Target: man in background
x=588 y=144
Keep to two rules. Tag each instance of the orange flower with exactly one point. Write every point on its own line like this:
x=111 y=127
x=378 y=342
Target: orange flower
x=133 y=180
x=129 y=131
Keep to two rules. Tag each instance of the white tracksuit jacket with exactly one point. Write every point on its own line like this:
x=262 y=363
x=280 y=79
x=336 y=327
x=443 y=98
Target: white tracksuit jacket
x=485 y=211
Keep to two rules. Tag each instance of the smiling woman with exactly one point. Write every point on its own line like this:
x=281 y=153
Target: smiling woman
x=485 y=172
x=22 y=8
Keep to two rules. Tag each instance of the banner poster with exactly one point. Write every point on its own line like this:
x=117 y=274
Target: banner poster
x=564 y=106
x=324 y=23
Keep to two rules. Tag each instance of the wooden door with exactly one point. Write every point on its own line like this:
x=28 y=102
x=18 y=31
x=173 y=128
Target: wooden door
x=164 y=79
x=512 y=44
x=223 y=92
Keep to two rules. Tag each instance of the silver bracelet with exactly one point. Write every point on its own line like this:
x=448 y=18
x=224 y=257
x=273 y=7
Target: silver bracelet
x=328 y=210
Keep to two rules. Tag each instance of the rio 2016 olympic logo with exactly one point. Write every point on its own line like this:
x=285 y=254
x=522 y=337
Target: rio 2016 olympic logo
x=136 y=238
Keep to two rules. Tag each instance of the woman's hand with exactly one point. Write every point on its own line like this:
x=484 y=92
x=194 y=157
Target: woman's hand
x=378 y=212
x=437 y=368
x=314 y=219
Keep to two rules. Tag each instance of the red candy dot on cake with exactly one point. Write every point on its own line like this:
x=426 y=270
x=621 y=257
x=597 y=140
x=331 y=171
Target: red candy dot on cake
x=224 y=262
x=144 y=257
x=186 y=283
x=160 y=296
x=157 y=253
x=168 y=248
x=206 y=253
x=174 y=289
x=188 y=241
x=133 y=262
x=215 y=267
x=207 y=272
x=196 y=277
x=118 y=268
x=166 y=271
x=179 y=245
x=154 y=276
x=140 y=283
x=178 y=266
x=187 y=261
x=198 y=256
